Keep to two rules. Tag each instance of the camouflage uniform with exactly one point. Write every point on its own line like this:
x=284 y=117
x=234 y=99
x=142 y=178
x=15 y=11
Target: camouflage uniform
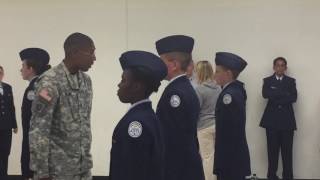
x=60 y=133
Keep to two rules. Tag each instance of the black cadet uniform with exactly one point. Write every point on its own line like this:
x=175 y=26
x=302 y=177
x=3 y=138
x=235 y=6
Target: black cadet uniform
x=231 y=158
x=42 y=57
x=279 y=121
x=137 y=151
x=7 y=123
x=178 y=111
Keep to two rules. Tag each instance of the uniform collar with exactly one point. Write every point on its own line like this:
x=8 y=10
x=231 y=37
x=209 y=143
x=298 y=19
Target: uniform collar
x=226 y=85
x=173 y=79
x=278 y=77
x=1 y=89
x=73 y=79
x=138 y=103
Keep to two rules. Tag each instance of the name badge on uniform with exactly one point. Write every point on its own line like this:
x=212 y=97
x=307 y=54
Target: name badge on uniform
x=273 y=87
x=175 y=101
x=135 y=129
x=30 y=95
x=227 y=99
x=1 y=90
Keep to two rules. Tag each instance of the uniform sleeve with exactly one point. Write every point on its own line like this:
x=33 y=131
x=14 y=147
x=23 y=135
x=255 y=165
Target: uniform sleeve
x=268 y=92
x=40 y=125
x=234 y=115
x=13 y=110
x=289 y=95
x=139 y=153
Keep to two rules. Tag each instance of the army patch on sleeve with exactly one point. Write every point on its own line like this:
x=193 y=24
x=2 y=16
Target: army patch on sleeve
x=30 y=95
x=135 y=129
x=227 y=99
x=175 y=101
x=44 y=94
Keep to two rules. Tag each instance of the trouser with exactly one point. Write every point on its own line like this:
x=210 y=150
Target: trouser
x=25 y=158
x=276 y=141
x=206 y=141
x=5 y=147
x=84 y=176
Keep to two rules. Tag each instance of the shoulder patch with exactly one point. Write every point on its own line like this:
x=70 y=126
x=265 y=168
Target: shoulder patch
x=135 y=129
x=44 y=94
x=175 y=101
x=227 y=99
x=30 y=95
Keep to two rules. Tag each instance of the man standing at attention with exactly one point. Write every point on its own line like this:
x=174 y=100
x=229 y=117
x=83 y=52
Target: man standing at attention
x=60 y=132
x=278 y=118
x=178 y=111
x=8 y=124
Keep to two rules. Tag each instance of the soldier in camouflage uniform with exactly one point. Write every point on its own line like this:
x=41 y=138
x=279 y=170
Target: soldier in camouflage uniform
x=60 y=133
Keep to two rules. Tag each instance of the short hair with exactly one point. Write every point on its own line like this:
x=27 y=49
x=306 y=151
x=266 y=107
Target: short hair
x=204 y=71
x=37 y=66
x=142 y=74
x=1 y=67
x=235 y=73
x=183 y=58
x=279 y=59
x=76 y=41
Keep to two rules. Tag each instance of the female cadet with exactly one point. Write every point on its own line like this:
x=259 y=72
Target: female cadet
x=34 y=63
x=137 y=141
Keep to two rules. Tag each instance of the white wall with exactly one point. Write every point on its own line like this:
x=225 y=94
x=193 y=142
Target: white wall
x=257 y=30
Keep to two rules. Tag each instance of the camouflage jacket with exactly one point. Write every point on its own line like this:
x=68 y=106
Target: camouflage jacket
x=60 y=132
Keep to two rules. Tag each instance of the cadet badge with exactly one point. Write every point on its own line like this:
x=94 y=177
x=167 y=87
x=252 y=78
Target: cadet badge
x=227 y=99
x=175 y=101
x=135 y=129
x=30 y=95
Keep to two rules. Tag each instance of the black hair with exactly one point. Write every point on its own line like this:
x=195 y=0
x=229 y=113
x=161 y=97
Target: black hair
x=279 y=59
x=37 y=66
x=145 y=76
x=76 y=41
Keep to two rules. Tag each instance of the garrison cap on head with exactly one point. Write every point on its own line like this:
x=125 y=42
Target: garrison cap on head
x=35 y=54
x=158 y=70
x=231 y=61
x=175 y=43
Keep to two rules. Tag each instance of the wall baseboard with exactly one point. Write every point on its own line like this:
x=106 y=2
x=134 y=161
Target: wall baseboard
x=18 y=177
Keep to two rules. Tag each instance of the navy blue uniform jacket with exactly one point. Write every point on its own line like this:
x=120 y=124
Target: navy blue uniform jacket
x=139 y=158
x=7 y=117
x=231 y=149
x=25 y=117
x=178 y=111
x=7 y=109
x=279 y=114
